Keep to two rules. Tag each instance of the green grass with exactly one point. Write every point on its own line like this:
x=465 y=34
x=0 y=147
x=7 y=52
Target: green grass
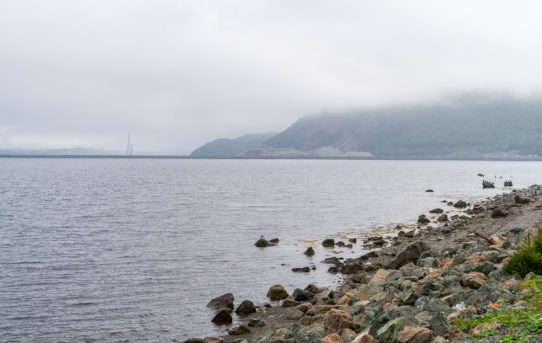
x=528 y=258
x=520 y=324
x=534 y=297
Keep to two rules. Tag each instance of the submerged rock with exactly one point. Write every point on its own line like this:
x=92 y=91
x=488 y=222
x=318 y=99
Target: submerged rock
x=263 y=243
x=301 y=270
x=436 y=210
x=309 y=251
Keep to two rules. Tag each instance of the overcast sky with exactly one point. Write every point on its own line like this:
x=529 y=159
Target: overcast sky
x=176 y=74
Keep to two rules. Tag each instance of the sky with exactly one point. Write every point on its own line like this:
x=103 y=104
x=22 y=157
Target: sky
x=176 y=74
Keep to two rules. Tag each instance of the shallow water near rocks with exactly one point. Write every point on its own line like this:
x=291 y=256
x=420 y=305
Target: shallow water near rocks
x=132 y=249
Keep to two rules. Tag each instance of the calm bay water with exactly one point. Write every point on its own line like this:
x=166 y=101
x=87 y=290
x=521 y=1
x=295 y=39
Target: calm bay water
x=132 y=250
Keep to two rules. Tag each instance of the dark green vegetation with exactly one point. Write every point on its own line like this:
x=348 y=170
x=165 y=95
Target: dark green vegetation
x=508 y=183
x=518 y=325
x=528 y=258
x=465 y=128
x=230 y=147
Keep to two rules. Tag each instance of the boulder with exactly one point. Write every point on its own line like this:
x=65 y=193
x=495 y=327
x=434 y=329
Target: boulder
x=223 y=301
x=312 y=288
x=335 y=321
x=300 y=295
x=460 y=204
x=333 y=338
x=380 y=277
x=245 y=308
x=240 y=330
x=277 y=292
x=328 y=243
x=411 y=334
x=222 y=317
x=309 y=251
x=389 y=332
x=473 y=280
x=410 y=254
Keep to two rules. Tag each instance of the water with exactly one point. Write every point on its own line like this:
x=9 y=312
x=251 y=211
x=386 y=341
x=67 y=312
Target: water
x=132 y=250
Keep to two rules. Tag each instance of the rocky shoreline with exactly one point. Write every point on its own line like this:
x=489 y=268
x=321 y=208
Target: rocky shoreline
x=415 y=288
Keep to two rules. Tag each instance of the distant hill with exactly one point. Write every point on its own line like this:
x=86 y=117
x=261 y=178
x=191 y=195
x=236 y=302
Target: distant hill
x=464 y=128
x=224 y=147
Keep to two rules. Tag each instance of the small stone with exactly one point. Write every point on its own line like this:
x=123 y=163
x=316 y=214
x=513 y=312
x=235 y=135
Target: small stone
x=366 y=339
x=263 y=243
x=309 y=251
x=212 y=340
x=300 y=295
x=473 y=280
x=289 y=303
x=423 y=220
x=304 y=307
x=301 y=270
x=312 y=288
x=277 y=292
x=274 y=241
x=256 y=323
x=295 y=314
x=352 y=240
x=194 y=340
x=240 y=330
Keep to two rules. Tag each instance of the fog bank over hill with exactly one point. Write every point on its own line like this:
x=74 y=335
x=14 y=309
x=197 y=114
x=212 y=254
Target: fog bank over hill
x=464 y=127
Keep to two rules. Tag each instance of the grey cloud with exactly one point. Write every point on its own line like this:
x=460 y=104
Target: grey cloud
x=179 y=73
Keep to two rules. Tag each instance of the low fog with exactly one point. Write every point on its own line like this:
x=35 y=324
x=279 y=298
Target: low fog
x=176 y=74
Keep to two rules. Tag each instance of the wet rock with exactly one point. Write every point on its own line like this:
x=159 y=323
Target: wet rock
x=423 y=220
x=240 y=330
x=300 y=295
x=277 y=292
x=340 y=244
x=304 y=307
x=223 y=301
x=352 y=240
x=460 y=204
x=436 y=211
x=429 y=191
x=194 y=340
x=410 y=254
x=274 y=241
x=309 y=251
x=263 y=243
x=222 y=317
x=335 y=321
x=333 y=338
x=328 y=243
x=301 y=270
x=442 y=218
x=256 y=323
x=411 y=334
x=498 y=213
x=245 y=308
